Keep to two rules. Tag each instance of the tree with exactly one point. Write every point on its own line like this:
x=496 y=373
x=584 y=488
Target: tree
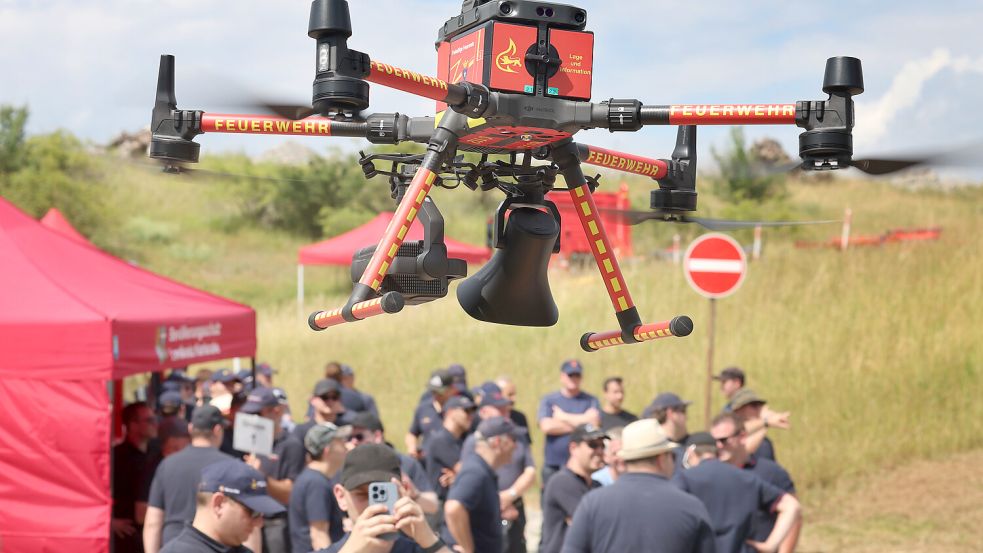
x=741 y=178
x=12 y=122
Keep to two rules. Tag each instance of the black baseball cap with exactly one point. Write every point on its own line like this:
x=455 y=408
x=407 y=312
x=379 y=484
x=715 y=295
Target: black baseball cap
x=439 y=379
x=265 y=369
x=459 y=402
x=368 y=421
x=224 y=376
x=572 y=366
x=205 y=417
x=701 y=439
x=259 y=399
x=326 y=386
x=730 y=373
x=369 y=463
x=497 y=426
x=666 y=400
x=586 y=433
x=170 y=400
x=242 y=483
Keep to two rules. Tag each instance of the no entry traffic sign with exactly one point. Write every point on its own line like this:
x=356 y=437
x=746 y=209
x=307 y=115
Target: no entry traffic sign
x=715 y=265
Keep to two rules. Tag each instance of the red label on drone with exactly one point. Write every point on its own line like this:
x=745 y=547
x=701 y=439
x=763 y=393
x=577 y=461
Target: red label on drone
x=576 y=50
x=732 y=114
x=463 y=60
x=513 y=138
x=508 y=54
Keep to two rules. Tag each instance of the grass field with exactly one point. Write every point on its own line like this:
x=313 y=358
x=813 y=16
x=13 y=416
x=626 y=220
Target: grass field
x=876 y=351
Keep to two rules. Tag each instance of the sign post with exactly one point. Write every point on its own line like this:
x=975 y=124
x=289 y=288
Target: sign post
x=715 y=267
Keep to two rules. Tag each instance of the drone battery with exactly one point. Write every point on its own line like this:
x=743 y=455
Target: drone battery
x=503 y=57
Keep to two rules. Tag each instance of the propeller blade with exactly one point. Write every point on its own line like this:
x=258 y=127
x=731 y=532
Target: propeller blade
x=883 y=166
x=723 y=224
x=288 y=111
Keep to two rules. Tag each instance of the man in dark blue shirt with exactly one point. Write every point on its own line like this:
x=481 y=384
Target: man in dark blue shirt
x=731 y=437
x=315 y=520
x=280 y=469
x=442 y=452
x=171 y=503
x=369 y=463
x=732 y=497
x=612 y=415
x=514 y=477
x=642 y=510
x=670 y=411
x=562 y=411
x=473 y=509
x=568 y=486
x=325 y=406
x=428 y=416
x=231 y=503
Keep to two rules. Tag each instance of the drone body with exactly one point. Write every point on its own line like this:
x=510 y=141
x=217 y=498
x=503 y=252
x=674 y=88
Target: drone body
x=514 y=78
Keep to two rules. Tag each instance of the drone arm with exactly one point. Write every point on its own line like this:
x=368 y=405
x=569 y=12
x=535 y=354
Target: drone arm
x=678 y=326
x=567 y=157
x=620 y=161
x=632 y=115
x=473 y=100
x=361 y=304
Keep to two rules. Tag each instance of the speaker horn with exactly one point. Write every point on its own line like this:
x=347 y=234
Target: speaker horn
x=513 y=288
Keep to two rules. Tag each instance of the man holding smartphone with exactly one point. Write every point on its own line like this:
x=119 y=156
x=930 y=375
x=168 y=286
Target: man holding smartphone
x=374 y=524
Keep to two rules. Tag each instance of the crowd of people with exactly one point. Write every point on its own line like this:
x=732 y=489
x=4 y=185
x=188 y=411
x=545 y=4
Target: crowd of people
x=610 y=480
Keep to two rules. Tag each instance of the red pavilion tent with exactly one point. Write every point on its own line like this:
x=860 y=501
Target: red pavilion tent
x=74 y=319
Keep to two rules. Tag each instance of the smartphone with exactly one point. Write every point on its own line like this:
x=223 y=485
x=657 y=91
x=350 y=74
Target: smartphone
x=384 y=493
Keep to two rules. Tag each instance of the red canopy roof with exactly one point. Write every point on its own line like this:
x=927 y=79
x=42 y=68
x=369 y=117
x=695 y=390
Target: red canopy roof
x=339 y=250
x=71 y=318
x=54 y=220
x=75 y=312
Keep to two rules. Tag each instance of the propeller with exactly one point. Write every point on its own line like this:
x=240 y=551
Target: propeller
x=181 y=168
x=964 y=156
x=295 y=112
x=629 y=217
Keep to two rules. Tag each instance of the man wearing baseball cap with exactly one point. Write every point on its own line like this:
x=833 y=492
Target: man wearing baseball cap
x=315 y=520
x=369 y=463
x=442 y=452
x=750 y=406
x=568 y=486
x=670 y=411
x=731 y=380
x=514 y=477
x=428 y=415
x=473 y=509
x=732 y=497
x=642 y=510
x=324 y=406
x=171 y=502
x=281 y=469
x=231 y=503
x=562 y=411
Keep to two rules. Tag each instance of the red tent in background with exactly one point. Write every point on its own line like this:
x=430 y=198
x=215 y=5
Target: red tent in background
x=339 y=250
x=72 y=319
x=54 y=220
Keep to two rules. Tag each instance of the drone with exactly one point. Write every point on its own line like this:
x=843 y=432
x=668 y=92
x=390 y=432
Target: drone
x=514 y=81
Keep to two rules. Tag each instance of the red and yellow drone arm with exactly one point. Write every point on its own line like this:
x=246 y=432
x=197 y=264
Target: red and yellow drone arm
x=271 y=124
x=620 y=161
x=678 y=326
x=416 y=83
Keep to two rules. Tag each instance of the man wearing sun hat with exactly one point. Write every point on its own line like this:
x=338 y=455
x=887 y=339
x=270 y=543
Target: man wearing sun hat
x=642 y=510
x=231 y=504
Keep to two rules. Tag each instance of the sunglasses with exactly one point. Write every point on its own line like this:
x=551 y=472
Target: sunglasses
x=725 y=439
x=358 y=437
x=251 y=513
x=330 y=396
x=595 y=444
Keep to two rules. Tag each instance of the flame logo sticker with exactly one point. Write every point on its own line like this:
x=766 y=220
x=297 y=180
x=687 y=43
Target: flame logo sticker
x=505 y=61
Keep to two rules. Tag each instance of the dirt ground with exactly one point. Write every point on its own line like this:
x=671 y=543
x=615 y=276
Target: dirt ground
x=924 y=507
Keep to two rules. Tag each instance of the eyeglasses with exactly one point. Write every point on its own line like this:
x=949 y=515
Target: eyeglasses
x=331 y=396
x=725 y=439
x=595 y=444
x=251 y=513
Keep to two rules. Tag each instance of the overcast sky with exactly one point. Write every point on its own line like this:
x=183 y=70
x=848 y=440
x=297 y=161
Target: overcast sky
x=90 y=66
